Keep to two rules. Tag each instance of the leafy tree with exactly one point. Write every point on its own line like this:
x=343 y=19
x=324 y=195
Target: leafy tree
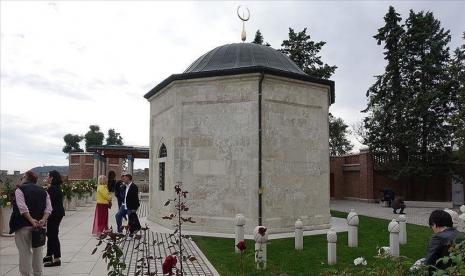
x=114 y=138
x=457 y=86
x=72 y=143
x=338 y=131
x=94 y=137
x=305 y=53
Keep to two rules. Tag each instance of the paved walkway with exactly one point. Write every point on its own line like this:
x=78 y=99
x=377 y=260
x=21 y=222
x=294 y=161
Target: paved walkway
x=77 y=244
x=417 y=216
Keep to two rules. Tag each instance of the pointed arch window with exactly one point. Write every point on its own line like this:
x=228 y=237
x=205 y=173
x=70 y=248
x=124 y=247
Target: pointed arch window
x=162 y=155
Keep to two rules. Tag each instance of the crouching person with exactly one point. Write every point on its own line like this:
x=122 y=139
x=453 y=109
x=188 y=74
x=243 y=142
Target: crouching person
x=444 y=236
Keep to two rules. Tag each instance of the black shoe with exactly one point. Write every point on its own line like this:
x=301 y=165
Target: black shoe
x=55 y=263
x=394 y=212
x=47 y=259
x=402 y=213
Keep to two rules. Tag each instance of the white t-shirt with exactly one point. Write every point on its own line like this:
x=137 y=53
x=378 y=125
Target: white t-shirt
x=126 y=194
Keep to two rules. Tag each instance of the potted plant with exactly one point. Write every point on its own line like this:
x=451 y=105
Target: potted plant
x=78 y=190
x=69 y=201
x=93 y=184
x=89 y=190
x=6 y=208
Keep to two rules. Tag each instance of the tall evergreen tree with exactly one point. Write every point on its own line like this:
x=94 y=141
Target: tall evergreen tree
x=385 y=123
x=94 y=137
x=72 y=143
x=425 y=72
x=338 y=142
x=409 y=106
x=258 y=38
x=457 y=86
x=114 y=138
x=305 y=53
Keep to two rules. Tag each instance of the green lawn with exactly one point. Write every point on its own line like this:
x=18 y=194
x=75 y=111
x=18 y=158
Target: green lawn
x=283 y=259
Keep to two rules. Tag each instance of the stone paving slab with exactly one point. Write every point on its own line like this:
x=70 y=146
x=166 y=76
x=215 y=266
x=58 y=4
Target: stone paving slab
x=147 y=253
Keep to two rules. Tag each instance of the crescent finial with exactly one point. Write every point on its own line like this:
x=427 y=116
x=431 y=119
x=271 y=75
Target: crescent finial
x=243 y=18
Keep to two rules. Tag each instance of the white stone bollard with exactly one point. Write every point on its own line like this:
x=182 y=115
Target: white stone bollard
x=331 y=236
x=403 y=229
x=239 y=221
x=462 y=219
x=352 y=221
x=454 y=215
x=260 y=247
x=394 y=229
x=299 y=235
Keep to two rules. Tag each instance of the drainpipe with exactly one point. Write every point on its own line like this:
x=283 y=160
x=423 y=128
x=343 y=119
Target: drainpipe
x=260 y=189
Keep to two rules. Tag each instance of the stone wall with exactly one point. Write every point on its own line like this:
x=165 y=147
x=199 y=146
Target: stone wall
x=163 y=116
x=211 y=135
x=210 y=129
x=295 y=154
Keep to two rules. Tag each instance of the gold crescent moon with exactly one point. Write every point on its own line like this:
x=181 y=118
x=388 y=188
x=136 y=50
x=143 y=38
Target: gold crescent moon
x=243 y=18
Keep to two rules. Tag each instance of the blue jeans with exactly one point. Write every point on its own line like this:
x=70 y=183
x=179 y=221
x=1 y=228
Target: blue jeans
x=122 y=212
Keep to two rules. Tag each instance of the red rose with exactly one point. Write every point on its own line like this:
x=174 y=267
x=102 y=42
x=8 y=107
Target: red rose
x=241 y=246
x=168 y=264
x=262 y=231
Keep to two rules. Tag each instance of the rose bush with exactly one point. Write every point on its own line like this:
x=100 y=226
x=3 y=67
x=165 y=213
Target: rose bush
x=360 y=261
x=7 y=194
x=169 y=264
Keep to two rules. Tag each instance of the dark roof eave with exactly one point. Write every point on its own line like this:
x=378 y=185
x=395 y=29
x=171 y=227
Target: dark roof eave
x=239 y=71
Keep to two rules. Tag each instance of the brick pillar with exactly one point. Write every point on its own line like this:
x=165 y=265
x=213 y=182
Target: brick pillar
x=103 y=166
x=366 y=174
x=100 y=166
x=337 y=176
x=96 y=163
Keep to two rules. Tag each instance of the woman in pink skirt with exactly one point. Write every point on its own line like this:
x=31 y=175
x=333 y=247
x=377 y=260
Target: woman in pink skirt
x=103 y=198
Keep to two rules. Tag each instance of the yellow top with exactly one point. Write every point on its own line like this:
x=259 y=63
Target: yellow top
x=103 y=196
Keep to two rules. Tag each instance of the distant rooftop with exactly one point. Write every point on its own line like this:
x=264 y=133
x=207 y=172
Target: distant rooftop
x=120 y=151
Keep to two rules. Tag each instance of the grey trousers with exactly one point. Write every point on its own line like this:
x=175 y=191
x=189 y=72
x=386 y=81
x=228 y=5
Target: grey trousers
x=30 y=259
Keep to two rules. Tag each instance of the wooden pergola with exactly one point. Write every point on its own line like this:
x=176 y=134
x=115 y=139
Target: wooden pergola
x=101 y=153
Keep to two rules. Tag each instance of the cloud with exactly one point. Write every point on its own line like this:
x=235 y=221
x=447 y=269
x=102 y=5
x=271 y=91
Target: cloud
x=65 y=65
x=46 y=85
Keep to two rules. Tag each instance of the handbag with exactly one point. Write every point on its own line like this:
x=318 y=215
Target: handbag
x=38 y=237
x=133 y=223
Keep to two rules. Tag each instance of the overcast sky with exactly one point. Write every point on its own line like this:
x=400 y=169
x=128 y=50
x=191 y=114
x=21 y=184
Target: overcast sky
x=68 y=64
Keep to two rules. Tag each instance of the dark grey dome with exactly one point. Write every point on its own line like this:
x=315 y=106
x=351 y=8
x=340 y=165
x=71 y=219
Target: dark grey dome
x=243 y=55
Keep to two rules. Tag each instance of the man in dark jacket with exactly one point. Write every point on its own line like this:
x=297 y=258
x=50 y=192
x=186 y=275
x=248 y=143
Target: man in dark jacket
x=130 y=203
x=31 y=209
x=444 y=236
x=120 y=192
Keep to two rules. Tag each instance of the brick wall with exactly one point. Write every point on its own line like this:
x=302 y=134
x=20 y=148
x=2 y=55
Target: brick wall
x=81 y=166
x=355 y=177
